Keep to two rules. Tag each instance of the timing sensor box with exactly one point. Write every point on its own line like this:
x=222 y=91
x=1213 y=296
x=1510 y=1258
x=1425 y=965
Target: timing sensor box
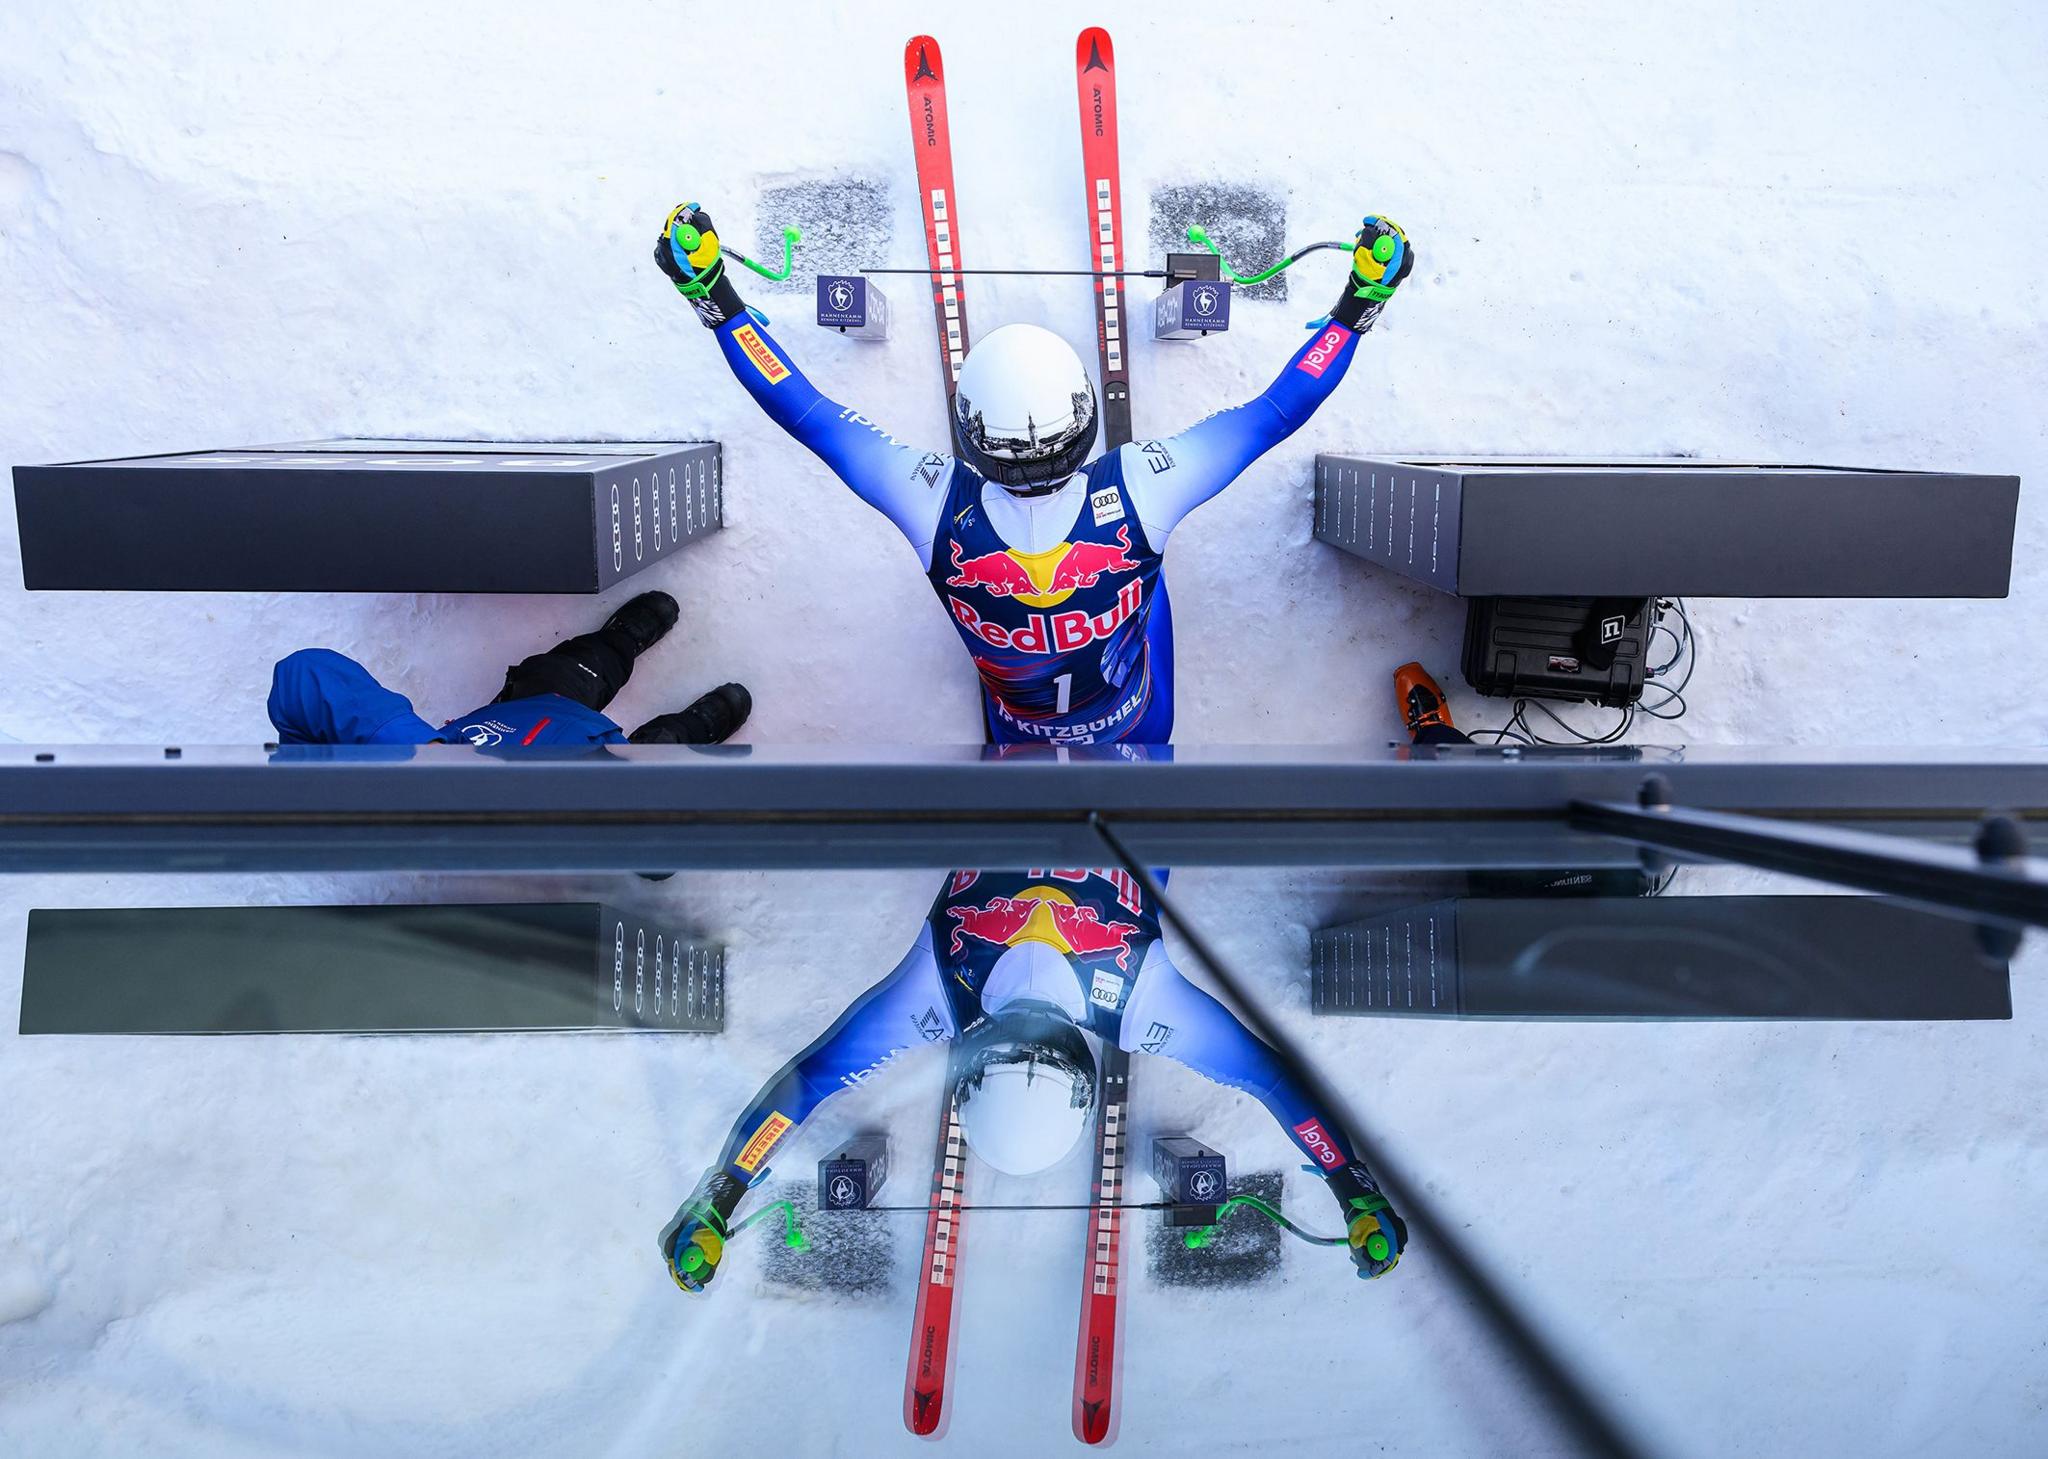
x=851 y=1179
x=1192 y=309
x=368 y=516
x=1486 y=527
x=851 y=304
x=1189 y=1174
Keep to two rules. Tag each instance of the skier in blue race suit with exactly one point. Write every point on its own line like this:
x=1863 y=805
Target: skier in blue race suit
x=1010 y=968
x=320 y=697
x=1049 y=568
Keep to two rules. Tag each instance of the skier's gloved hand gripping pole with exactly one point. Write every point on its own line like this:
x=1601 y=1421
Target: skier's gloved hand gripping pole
x=1380 y=259
x=694 y=1242
x=868 y=1034
x=691 y=255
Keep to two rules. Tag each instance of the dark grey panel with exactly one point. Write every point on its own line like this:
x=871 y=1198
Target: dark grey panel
x=368 y=516
x=1596 y=529
x=645 y=510
x=1399 y=516
x=365 y=969
x=1789 y=957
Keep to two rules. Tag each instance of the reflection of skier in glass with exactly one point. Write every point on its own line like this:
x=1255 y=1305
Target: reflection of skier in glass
x=1014 y=966
x=1050 y=569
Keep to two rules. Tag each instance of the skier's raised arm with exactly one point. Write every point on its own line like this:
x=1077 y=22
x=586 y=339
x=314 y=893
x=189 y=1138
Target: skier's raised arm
x=904 y=484
x=907 y=1007
x=1170 y=478
x=1171 y=1016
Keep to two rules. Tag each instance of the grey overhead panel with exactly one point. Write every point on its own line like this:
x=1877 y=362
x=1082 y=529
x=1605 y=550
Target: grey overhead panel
x=1483 y=527
x=439 y=968
x=668 y=807
x=1658 y=958
x=368 y=516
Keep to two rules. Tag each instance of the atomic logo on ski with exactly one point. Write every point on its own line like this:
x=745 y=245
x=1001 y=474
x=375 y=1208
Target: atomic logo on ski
x=1095 y=61
x=924 y=66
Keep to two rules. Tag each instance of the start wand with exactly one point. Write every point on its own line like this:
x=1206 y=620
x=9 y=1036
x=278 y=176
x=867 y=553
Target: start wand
x=1196 y=235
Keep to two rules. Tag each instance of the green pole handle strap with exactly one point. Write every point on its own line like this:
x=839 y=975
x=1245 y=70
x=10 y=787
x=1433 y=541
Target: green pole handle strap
x=1199 y=236
x=1201 y=1236
x=790 y=238
x=792 y=1233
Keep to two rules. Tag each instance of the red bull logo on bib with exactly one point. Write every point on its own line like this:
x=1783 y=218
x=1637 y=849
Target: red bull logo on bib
x=1043 y=914
x=1043 y=579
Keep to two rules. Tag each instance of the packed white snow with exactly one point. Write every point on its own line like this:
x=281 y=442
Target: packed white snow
x=1795 y=233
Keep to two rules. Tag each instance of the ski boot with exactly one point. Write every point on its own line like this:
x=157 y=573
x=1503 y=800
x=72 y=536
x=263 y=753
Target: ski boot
x=1422 y=705
x=712 y=720
x=644 y=620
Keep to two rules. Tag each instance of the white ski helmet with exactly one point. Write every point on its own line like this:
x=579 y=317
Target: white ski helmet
x=1024 y=407
x=1027 y=1084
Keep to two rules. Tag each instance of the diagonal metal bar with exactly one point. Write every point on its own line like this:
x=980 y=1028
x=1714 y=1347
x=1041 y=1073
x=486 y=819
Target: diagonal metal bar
x=2012 y=887
x=1578 y=1412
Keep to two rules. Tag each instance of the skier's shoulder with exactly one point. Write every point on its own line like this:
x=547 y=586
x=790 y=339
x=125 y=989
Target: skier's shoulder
x=1140 y=461
x=1137 y=467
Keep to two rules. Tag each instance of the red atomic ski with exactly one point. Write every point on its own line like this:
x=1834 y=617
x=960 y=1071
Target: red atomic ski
x=1095 y=1353
x=931 y=1334
x=1095 y=1349
x=1095 y=78
x=924 y=82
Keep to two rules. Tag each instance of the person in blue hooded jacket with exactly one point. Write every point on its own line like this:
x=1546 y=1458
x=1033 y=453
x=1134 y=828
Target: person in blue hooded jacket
x=320 y=697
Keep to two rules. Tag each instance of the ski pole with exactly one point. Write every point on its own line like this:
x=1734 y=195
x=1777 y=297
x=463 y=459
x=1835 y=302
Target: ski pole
x=790 y=238
x=1199 y=236
x=1201 y=1236
x=687 y=237
x=792 y=1234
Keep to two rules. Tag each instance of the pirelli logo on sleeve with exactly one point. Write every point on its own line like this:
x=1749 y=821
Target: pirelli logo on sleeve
x=763 y=358
x=765 y=1139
